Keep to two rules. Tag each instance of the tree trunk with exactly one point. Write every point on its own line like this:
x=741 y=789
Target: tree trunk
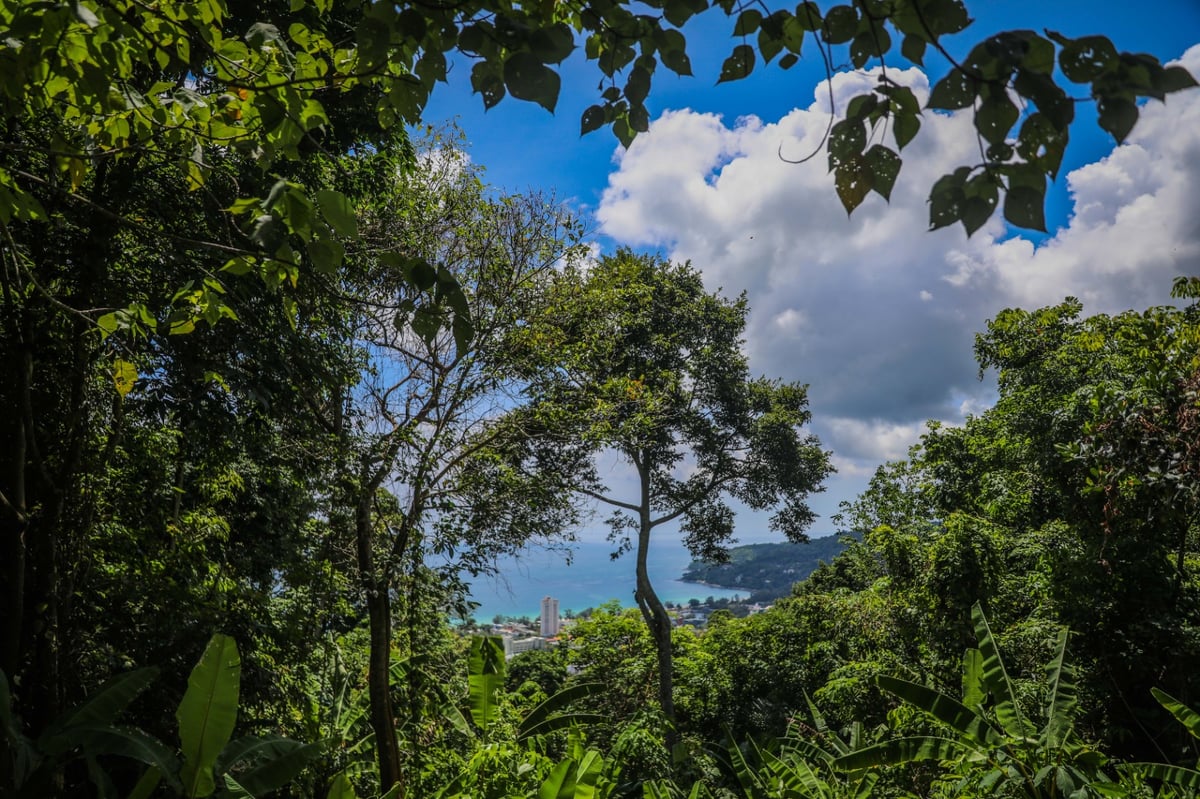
x=379 y=611
x=653 y=611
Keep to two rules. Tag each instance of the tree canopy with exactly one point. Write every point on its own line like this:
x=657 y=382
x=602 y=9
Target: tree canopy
x=636 y=358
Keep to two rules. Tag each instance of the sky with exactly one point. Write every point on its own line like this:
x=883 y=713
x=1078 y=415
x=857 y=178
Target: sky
x=874 y=313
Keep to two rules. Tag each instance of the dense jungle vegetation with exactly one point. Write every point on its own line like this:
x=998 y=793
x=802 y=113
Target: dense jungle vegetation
x=280 y=372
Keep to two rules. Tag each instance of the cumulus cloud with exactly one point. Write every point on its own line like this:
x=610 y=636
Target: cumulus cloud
x=874 y=312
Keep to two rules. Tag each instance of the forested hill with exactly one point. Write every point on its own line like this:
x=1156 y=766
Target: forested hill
x=766 y=570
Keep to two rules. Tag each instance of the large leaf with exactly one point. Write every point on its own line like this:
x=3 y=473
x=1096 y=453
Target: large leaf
x=957 y=716
x=104 y=739
x=485 y=666
x=1184 y=714
x=551 y=709
x=1063 y=700
x=795 y=776
x=272 y=763
x=973 y=691
x=902 y=750
x=1186 y=778
x=102 y=707
x=208 y=713
x=341 y=787
x=995 y=678
x=575 y=779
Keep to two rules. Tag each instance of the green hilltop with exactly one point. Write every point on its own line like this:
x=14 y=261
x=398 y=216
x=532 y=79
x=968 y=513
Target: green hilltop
x=767 y=571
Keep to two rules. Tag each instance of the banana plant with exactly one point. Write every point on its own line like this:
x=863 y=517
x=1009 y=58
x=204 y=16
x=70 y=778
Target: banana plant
x=989 y=743
x=210 y=762
x=207 y=763
x=87 y=732
x=800 y=768
x=486 y=672
x=1185 y=779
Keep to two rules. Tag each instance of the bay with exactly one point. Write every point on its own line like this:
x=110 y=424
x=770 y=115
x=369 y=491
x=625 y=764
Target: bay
x=591 y=579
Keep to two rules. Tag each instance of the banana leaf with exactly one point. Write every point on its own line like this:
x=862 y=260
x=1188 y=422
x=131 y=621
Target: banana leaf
x=208 y=713
x=902 y=750
x=1184 y=714
x=485 y=677
x=995 y=678
x=951 y=712
x=547 y=716
x=1063 y=699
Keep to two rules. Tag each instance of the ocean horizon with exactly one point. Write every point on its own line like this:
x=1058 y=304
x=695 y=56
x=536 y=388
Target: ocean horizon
x=588 y=581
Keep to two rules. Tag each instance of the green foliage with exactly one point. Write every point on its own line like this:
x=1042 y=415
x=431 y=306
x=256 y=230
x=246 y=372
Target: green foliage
x=247 y=767
x=639 y=359
x=485 y=668
x=992 y=746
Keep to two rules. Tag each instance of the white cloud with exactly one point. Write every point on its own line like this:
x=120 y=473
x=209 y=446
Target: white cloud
x=874 y=312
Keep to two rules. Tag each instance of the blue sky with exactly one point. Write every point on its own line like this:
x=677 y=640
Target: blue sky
x=874 y=313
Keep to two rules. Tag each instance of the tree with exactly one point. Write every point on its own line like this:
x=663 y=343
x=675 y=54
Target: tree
x=1073 y=500
x=421 y=468
x=640 y=361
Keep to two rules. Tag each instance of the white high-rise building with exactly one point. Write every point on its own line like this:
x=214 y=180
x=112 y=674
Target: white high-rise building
x=549 y=617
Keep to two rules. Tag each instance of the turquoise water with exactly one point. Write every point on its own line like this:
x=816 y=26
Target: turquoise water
x=591 y=579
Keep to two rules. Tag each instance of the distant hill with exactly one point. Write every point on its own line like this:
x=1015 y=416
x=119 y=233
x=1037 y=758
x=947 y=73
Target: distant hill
x=766 y=571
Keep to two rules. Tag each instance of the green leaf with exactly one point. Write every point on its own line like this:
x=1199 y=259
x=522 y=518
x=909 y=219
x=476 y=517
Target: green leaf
x=485 y=675
x=885 y=167
x=487 y=82
x=963 y=720
x=913 y=48
x=1024 y=207
x=104 y=739
x=338 y=211
x=1118 y=115
x=146 y=785
x=1063 y=701
x=1189 y=718
x=846 y=140
x=593 y=119
x=901 y=750
x=868 y=45
x=550 y=711
x=956 y=90
x=981 y=196
x=995 y=117
x=1186 y=778
x=995 y=677
x=747 y=22
x=853 y=181
x=124 y=375
x=527 y=78
x=1175 y=79
x=341 y=787
x=1047 y=95
x=972 y=678
x=553 y=44
x=904 y=128
x=1086 y=58
x=274 y=762
x=947 y=198
x=840 y=24
x=111 y=699
x=638 y=85
x=208 y=713
x=739 y=64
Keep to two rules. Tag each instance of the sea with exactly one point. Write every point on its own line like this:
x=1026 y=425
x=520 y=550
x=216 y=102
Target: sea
x=588 y=581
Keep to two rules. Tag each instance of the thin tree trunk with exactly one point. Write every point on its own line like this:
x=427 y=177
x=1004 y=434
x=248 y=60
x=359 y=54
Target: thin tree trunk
x=379 y=612
x=653 y=611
